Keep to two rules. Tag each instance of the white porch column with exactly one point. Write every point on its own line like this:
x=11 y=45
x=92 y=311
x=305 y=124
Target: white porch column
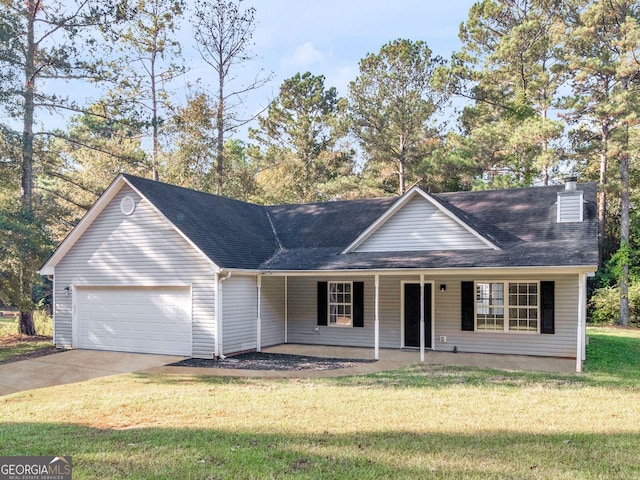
x=216 y=301
x=422 y=317
x=286 y=309
x=376 y=353
x=582 y=319
x=259 y=319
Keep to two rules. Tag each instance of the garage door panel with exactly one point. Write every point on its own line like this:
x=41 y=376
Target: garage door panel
x=145 y=320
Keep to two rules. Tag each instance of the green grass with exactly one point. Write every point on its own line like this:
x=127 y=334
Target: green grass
x=418 y=422
x=613 y=351
x=8 y=324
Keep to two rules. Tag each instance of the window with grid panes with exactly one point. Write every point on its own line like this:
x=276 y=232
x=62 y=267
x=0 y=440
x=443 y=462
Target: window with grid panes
x=518 y=311
x=340 y=304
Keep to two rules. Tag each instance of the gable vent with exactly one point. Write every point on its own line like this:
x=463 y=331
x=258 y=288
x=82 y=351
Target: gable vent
x=570 y=202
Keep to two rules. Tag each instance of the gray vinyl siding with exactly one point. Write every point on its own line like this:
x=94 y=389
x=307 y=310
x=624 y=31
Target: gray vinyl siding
x=142 y=249
x=272 y=311
x=302 y=322
x=420 y=225
x=560 y=344
x=303 y=317
x=239 y=314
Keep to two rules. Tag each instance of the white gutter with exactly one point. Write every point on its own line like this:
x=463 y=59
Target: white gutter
x=417 y=271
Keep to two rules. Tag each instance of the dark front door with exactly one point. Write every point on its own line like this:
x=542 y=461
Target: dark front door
x=412 y=315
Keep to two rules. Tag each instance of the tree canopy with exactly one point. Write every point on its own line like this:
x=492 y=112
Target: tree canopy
x=538 y=89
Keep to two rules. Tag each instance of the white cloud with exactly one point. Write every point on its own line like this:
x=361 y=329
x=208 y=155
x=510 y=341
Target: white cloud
x=303 y=57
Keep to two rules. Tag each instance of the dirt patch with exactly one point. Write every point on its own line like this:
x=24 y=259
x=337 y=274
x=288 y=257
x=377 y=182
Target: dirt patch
x=15 y=341
x=273 y=361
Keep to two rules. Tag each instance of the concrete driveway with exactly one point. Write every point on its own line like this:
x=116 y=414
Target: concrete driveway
x=73 y=366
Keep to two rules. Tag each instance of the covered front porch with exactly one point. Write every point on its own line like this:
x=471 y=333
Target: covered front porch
x=287 y=304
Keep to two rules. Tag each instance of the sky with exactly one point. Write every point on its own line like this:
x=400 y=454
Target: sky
x=330 y=37
x=327 y=37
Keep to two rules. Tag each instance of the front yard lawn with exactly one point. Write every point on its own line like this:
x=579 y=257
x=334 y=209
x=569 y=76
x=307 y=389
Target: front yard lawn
x=418 y=422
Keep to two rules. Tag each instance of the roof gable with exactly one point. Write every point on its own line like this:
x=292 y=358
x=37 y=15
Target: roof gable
x=90 y=217
x=418 y=222
x=228 y=233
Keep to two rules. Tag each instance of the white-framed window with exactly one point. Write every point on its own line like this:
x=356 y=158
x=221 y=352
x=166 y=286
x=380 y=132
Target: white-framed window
x=340 y=304
x=508 y=306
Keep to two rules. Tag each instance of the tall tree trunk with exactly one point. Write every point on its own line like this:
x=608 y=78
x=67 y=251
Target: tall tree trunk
x=154 y=117
x=402 y=179
x=545 y=150
x=220 y=139
x=25 y=324
x=624 y=239
x=29 y=107
x=602 y=189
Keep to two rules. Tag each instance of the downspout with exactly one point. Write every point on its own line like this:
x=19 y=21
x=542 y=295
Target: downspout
x=220 y=278
x=259 y=319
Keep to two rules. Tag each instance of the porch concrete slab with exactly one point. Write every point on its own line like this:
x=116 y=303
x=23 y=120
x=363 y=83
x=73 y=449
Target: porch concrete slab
x=73 y=366
x=389 y=359
x=405 y=357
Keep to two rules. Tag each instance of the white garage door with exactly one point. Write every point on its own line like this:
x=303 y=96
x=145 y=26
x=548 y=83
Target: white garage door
x=143 y=320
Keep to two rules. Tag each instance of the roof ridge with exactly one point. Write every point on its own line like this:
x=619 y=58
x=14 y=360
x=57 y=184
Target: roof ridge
x=190 y=190
x=273 y=228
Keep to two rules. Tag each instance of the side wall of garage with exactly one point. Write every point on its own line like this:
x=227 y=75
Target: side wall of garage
x=137 y=250
x=239 y=313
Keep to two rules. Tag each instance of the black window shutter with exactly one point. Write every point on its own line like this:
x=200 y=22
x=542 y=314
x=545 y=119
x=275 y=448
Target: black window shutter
x=358 y=304
x=468 y=304
x=547 y=307
x=323 y=301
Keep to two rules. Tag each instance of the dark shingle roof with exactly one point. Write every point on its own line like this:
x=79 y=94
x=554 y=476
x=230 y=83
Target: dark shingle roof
x=327 y=224
x=234 y=234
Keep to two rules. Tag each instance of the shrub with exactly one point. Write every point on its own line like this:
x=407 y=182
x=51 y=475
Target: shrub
x=605 y=304
x=43 y=323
